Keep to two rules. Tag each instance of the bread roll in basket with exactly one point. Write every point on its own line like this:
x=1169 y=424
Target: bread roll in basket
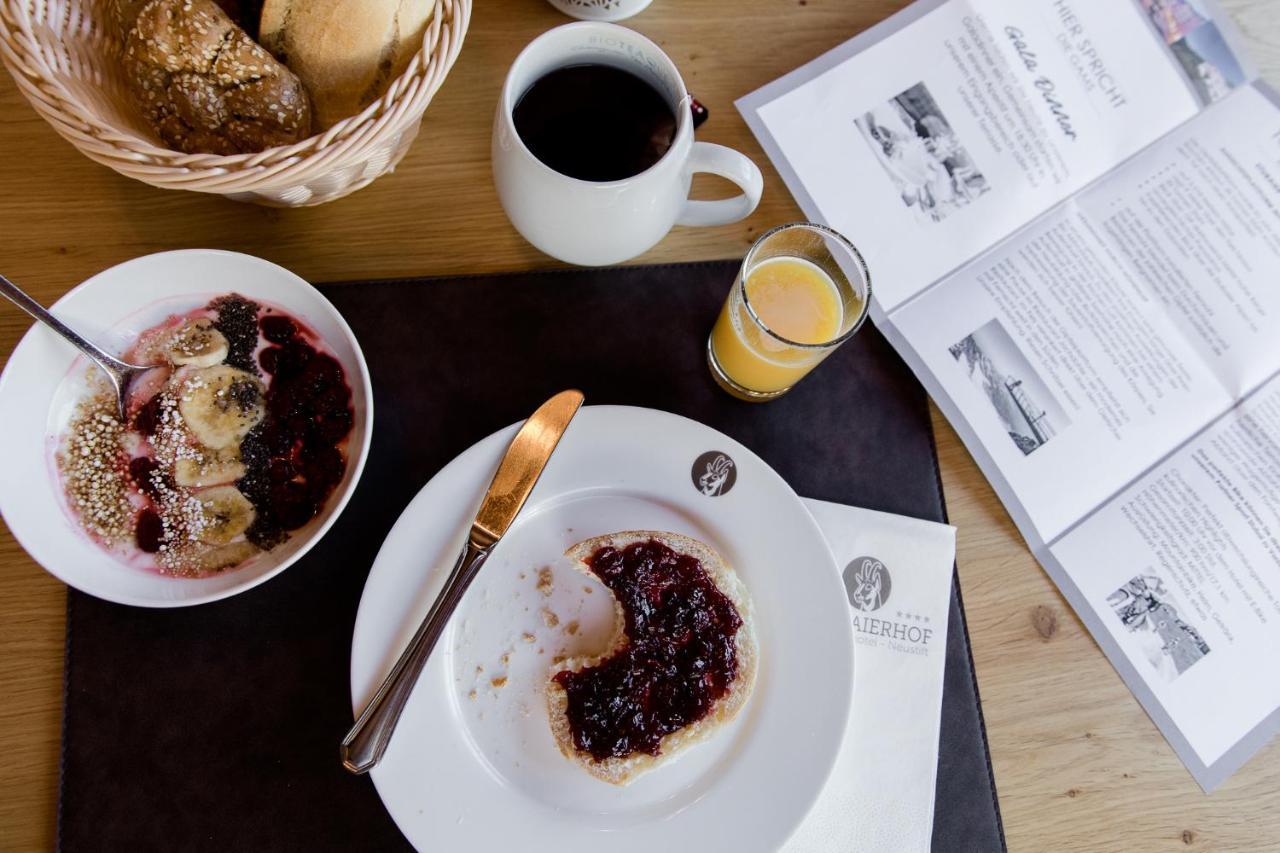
x=64 y=56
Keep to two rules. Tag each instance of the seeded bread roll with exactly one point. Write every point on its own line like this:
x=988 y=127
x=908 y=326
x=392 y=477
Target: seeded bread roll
x=345 y=51
x=125 y=14
x=203 y=84
x=244 y=12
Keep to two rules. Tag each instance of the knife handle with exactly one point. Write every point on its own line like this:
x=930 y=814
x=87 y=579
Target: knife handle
x=364 y=745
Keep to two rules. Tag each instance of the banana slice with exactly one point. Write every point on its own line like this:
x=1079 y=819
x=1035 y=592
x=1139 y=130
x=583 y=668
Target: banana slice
x=220 y=405
x=227 y=513
x=225 y=556
x=211 y=468
x=198 y=344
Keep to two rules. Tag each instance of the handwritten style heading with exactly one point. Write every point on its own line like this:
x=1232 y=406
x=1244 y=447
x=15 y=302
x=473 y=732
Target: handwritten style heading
x=1084 y=57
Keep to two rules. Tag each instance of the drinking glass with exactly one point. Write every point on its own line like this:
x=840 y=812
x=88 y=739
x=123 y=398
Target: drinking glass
x=801 y=292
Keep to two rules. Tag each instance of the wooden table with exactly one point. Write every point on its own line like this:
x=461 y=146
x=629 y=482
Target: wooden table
x=1078 y=764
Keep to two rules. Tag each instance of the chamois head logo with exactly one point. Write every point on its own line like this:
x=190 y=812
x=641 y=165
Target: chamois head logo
x=868 y=583
x=714 y=473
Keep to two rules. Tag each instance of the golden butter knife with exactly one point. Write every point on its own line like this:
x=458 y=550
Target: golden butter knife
x=517 y=474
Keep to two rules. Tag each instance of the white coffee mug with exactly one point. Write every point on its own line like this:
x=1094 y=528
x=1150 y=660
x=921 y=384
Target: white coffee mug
x=597 y=223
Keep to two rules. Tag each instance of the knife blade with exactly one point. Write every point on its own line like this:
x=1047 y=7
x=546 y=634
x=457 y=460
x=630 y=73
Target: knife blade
x=520 y=469
x=518 y=472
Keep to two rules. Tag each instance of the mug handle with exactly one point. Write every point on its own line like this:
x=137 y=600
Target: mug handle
x=733 y=166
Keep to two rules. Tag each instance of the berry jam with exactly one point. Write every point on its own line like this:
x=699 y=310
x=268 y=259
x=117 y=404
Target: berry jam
x=147 y=419
x=679 y=658
x=149 y=531
x=142 y=471
x=293 y=459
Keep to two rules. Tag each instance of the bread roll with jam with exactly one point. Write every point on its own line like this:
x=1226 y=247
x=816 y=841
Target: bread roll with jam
x=346 y=51
x=679 y=667
x=203 y=84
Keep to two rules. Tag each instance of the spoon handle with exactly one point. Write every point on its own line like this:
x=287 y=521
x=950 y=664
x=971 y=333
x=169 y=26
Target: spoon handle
x=14 y=294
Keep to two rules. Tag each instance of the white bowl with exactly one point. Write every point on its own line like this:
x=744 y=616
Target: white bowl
x=601 y=10
x=39 y=386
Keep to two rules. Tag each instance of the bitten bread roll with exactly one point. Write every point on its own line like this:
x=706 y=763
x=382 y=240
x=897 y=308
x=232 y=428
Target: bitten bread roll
x=623 y=769
x=346 y=51
x=204 y=85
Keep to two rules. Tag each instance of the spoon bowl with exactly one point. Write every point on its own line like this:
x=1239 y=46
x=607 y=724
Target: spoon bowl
x=121 y=374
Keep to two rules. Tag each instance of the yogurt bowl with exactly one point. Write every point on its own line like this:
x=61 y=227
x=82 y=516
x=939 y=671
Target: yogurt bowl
x=45 y=383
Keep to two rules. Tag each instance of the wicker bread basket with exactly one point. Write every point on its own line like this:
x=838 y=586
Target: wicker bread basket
x=64 y=57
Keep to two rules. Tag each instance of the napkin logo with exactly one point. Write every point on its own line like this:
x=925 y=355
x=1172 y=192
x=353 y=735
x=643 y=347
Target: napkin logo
x=714 y=473
x=868 y=583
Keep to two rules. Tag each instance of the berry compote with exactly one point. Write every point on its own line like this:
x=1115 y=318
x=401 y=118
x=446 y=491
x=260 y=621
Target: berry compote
x=294 y=458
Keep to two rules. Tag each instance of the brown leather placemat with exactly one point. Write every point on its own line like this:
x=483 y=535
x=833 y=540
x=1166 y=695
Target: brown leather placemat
x=216 y=728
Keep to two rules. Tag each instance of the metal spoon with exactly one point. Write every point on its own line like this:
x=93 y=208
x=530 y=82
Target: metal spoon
x=119 y=372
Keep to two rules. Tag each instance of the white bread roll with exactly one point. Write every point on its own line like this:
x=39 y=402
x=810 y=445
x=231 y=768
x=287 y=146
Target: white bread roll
x=345 y=51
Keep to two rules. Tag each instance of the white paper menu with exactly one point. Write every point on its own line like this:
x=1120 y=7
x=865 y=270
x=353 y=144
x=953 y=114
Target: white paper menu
x=1071 y=213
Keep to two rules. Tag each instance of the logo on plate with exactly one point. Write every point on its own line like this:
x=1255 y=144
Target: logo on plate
x=868 y=583
x=714 y=473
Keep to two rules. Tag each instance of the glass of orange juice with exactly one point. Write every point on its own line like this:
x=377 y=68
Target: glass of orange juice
x=803 y=290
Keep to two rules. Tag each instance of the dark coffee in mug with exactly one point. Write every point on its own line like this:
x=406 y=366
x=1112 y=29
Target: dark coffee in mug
x=595 y=122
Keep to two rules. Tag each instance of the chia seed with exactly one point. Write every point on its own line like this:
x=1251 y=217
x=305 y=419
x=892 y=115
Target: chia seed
x=238 y=322
x=265 y=532
x=245 y=395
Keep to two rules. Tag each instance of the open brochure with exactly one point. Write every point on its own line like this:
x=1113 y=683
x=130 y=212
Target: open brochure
x=1071 y=213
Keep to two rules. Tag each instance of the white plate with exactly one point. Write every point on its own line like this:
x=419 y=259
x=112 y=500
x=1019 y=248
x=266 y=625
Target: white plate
x=484 y=773
x=41 y=382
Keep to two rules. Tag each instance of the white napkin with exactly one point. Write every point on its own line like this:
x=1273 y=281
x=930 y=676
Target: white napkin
x=897 y=572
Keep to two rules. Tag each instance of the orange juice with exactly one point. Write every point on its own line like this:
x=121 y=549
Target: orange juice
x=794 y=299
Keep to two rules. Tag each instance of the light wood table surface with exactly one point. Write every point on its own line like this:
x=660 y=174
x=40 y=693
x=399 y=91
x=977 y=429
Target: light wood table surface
x=1078 y=764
